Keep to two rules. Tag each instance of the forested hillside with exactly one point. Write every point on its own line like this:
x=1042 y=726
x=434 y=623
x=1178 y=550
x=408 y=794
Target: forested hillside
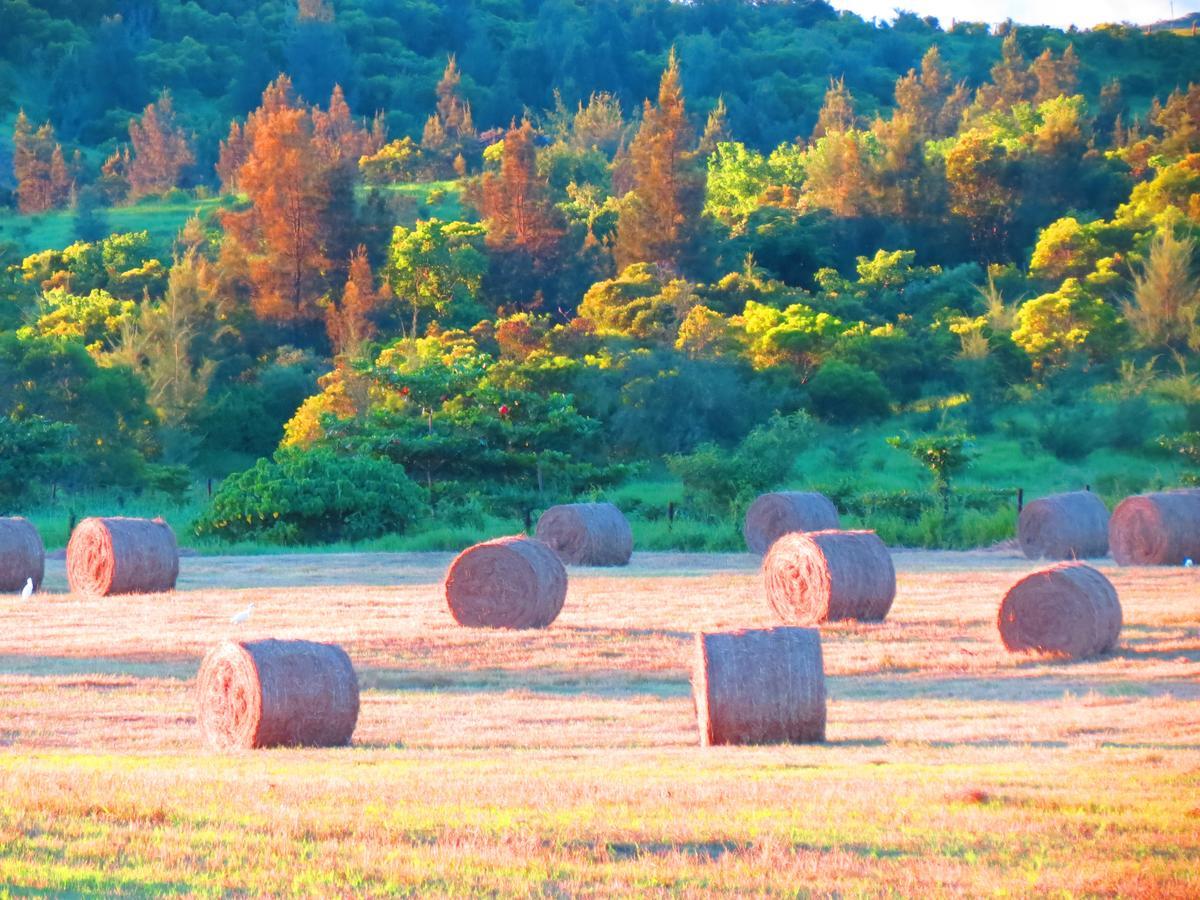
x=389 y=266
x=88 y=65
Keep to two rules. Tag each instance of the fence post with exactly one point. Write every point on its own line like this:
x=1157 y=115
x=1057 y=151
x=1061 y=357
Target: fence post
x=1088 y=488
x=1020 y=500
x=528 y=521
x=210 y=487
x=670 y=514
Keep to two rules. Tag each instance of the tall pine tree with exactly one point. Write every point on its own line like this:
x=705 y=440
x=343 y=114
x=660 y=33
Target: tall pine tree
x=350 y=323
x=44 y=180
x=516 y=200
x=285 y=233
x=161 y=150
x=660 y=218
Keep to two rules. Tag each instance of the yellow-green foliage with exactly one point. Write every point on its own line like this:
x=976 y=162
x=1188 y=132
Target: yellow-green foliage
x=795 y=335
x=1054 y=324
x=638 y=303
x=94 y=319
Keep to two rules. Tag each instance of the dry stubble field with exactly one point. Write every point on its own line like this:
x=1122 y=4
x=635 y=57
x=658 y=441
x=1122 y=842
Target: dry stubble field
x=565 y=762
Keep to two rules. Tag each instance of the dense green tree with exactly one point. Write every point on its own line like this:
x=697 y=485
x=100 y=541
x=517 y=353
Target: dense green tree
x=55 y=379
x=33 y=452
x=434 y=266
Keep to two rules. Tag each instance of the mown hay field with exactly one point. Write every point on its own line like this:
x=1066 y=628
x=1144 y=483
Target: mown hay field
x=564 y=762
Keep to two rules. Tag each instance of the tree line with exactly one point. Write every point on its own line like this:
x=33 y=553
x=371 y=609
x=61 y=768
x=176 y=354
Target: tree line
x=613 y=289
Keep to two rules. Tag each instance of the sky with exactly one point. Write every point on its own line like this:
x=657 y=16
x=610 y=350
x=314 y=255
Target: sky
x=1060 y=13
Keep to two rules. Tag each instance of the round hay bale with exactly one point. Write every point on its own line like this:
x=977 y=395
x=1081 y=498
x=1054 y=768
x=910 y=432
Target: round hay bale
x=122 y=556
x=277 y=694
x=1070 y=609
x=586 y=534
x=1160 y=529
x=773 y=515
x=510 y=582
x=22 y=555
x=824 y=576
x=759 y=686
x=1064 y=526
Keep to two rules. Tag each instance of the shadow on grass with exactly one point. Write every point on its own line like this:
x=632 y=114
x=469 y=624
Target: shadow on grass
x=181 y=669
x=888 y=686
x=1133 y=653
x=1126 y=649
x=609 y=631
x=613 y=683
x=113 y=885
x=621 y=851
x=1000 y=744
x=712 y=851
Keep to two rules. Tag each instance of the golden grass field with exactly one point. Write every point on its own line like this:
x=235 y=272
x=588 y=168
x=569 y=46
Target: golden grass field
x=565 y=762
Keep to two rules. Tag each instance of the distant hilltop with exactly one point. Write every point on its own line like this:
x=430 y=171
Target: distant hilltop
x=1183 y=23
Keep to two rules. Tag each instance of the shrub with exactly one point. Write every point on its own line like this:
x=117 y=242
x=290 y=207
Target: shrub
x=985 y=499
x=722 y=483
x=462 y=511
x=313 y=496
x=1187 y=445
x=935 y=529
x=1070 y=434
x=1117 y=485
x=1128 y=422
x=841 y=392
x=901 y=504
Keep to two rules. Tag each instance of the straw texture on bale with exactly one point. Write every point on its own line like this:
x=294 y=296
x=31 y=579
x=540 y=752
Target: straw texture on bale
x=1064 y=526
x=1069 y=609
x=773 y=515
x=22 y=555
x=586 y=534
x=824 y=576
x=122 y=556
x=1156 y=529
x=510 y=582
x=277 y=694
x=759 y=686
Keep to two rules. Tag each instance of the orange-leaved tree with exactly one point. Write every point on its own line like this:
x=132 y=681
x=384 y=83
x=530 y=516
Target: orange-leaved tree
x=516 y=200
x=161 y=150
x=350 y=323
x=659 y=220
x=296 y=196
x=451 y=128
x=44 y=180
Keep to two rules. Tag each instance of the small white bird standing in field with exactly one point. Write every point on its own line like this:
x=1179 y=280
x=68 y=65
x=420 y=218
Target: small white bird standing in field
x=27 y=591
x=241 y=617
